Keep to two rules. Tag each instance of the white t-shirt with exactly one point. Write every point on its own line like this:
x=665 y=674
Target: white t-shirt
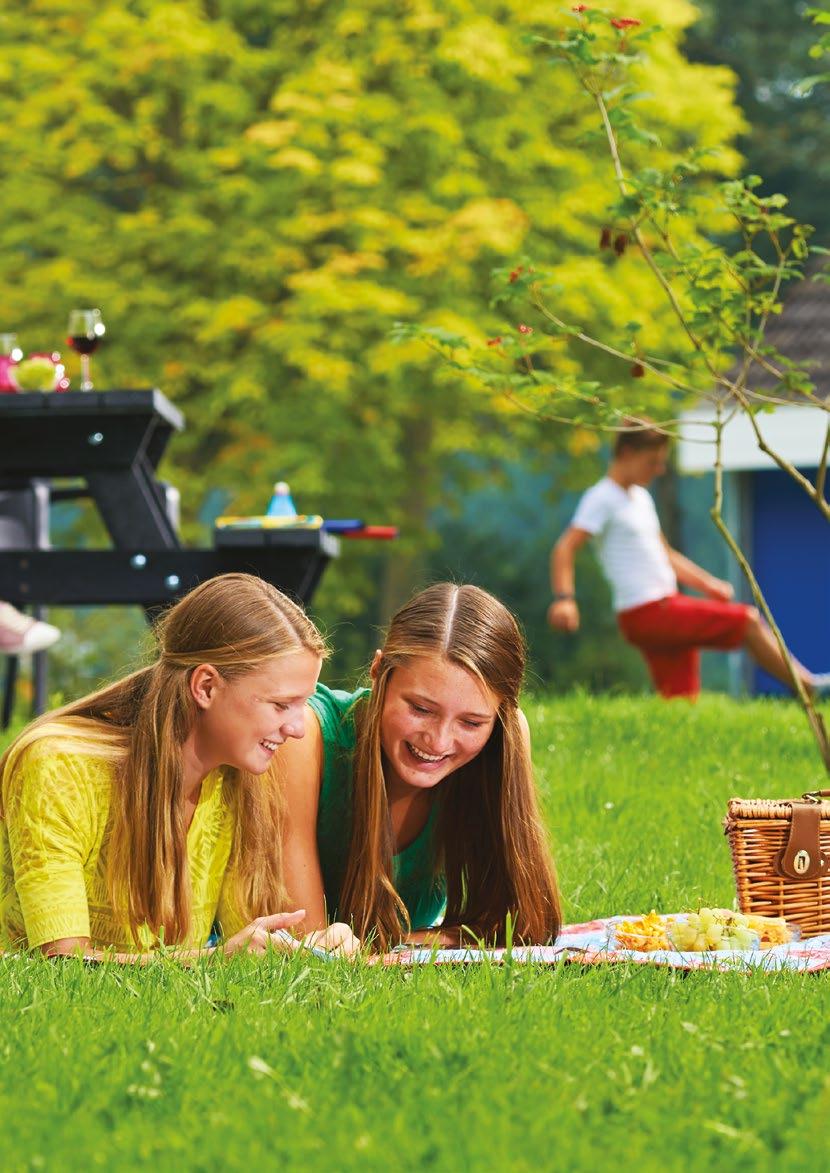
x=629 y=544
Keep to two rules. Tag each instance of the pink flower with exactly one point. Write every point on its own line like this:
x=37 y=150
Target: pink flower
x=625 y=22
x=523 y=329
x=579 y=8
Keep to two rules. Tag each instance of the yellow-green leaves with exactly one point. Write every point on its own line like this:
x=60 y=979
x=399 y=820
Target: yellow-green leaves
x=254 y=194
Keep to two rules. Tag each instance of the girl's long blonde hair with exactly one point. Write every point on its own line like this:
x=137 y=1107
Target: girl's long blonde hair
x=235 y=622
x=491 y=843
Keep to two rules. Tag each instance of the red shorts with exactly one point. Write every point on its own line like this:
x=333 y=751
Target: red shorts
x=669 y=632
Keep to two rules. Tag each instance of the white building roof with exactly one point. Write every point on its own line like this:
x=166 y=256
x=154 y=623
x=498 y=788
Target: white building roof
x=795 y=432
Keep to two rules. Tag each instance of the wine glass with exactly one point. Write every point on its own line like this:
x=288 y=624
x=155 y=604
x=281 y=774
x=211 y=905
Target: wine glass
x=9 y=347
x=85 y=332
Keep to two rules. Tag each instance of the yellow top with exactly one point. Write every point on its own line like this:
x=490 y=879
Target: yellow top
x=53 y=853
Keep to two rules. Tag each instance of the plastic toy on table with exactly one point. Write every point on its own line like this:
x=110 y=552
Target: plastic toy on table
x=281 y=503
x=376 y=533
x=266 y=521
x=343 y=525
x=338 y=527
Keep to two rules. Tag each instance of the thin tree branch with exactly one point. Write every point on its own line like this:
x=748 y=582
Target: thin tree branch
x=778 y=401
x=644 y=249
x=815 y=719
x=749 y=349
x=821 y=475
x=662 y=426
x=646 y=363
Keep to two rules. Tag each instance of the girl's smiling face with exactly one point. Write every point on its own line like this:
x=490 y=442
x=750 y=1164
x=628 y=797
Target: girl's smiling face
x=244 y=721
x=436 y=717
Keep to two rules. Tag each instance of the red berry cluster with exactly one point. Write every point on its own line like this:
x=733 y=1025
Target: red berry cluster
x=619 y=242
x=618 y=22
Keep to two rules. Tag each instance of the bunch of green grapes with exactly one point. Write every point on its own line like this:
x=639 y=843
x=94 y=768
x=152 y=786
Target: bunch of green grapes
x=35 y=374
x=712 y=929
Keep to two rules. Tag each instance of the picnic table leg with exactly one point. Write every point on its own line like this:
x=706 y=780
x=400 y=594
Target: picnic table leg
x=311 y=578
x=133 y=508
x=40 y=672
x=12 y=665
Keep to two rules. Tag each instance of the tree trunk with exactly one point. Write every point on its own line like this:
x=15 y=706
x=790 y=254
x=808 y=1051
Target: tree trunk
x=406 y=569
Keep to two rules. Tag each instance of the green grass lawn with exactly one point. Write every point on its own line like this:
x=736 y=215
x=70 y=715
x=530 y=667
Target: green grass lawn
x=302 y=1064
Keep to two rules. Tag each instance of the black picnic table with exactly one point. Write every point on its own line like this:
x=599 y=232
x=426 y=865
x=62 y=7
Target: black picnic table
x=109 y=445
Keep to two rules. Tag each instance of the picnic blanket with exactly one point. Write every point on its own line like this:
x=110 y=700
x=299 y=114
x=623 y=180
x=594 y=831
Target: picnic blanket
x=592 y=943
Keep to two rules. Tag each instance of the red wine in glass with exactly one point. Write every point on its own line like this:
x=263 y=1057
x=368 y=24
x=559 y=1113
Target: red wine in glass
x=85 y=330
x=83 y=345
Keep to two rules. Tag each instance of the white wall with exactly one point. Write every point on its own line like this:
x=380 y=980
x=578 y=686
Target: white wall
x=796 y=433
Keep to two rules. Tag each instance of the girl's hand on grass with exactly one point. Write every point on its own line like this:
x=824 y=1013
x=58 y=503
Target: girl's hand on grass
x=337 y=938
x=257 y=936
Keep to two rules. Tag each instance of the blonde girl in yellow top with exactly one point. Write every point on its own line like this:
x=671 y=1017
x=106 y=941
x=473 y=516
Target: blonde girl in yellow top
x=152 y=808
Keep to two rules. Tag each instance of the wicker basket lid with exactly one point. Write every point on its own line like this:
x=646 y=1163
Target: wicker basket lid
x=767 y=808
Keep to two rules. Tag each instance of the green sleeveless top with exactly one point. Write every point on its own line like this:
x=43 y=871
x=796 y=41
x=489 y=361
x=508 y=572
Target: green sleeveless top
x=418 y=883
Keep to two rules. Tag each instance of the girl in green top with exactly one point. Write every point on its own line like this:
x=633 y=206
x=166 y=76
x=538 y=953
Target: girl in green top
x=415 y=798
x=153 y=807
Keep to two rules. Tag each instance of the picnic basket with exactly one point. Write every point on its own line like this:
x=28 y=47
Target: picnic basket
x=781 y=858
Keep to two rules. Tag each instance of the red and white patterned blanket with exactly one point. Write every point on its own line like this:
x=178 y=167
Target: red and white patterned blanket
x=592 y=943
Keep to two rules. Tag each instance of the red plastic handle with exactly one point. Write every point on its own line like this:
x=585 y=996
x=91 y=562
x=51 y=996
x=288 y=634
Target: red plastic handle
x=378 y=533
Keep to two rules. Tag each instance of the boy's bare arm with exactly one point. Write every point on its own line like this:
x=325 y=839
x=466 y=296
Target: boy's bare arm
x=563 y=612
x=691 y=575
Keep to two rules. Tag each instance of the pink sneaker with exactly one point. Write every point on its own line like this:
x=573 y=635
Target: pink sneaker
x=20 y=634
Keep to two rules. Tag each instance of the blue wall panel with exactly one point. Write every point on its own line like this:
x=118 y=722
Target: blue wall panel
x=791 y=557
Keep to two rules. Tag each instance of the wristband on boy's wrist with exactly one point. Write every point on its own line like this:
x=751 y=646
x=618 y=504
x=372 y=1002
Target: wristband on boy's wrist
x=564 y=598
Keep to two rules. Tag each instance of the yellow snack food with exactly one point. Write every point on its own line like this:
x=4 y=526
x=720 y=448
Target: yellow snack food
x=704 y=930
x=772 y=930
x=643 y=933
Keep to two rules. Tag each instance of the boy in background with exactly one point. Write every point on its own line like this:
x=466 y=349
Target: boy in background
x=643 y=571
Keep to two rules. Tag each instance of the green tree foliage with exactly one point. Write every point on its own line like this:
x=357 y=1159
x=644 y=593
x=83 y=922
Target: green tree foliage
x=770 y=46
x=255 y=192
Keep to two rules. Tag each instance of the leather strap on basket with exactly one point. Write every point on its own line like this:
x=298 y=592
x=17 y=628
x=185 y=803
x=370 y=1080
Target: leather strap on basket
x=801 y=859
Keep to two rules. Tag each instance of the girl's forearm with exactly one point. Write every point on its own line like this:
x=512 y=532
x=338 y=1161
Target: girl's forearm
x=440 y=937
x=100 y=956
